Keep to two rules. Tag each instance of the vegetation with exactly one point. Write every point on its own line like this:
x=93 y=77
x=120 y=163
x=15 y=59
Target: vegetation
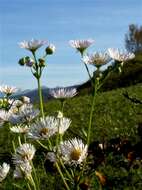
x=115 y=126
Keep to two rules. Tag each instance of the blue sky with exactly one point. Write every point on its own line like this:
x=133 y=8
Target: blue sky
x=58 y=21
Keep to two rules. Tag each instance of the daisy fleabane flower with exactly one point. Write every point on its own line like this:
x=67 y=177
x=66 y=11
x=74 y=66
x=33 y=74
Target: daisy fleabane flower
x=81 y=45
x=26 y=113
x=20 y=129
x=96 y=59
x=121 y=56
x=73 y=152
x=8 y=90
x=22 y=170
x=4 y=169
x=5 y=116
x=24 y=153
x=63 y=92
x=32 y=45
x=44 y=128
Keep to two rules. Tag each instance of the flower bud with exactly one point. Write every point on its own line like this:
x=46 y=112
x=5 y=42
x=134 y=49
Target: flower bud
x=29 y=62
x=50 y=49
x=22 y=61
x=60 y=115
x=25 y=99
x=41 y=62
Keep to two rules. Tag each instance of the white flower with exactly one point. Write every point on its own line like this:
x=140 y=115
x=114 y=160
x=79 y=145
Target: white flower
x=5 y=116
x=32 y=45
x=44 y=128
x=50 y=49
x=63 y=92
x=51 y=156
x=24 y=153
x=20 y=129
x=81 y=45
x=73 y=151
x=120 y=56
x=23 y=170
x=63 y=125
x=8 y=90
x=25 y=99
x=97 y=59
x=26 y=114
x=4 y=169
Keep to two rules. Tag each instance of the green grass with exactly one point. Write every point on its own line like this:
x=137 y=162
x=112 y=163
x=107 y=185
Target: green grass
x=114 y=116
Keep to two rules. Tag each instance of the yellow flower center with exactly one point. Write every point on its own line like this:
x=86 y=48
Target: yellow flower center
x=75 y=154
x=43 y=131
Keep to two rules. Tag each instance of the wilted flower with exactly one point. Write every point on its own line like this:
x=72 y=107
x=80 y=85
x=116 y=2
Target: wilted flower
x=50 y=49
x=20 y=129
x=23 y=170
x=63 y=92
x=44 y=128
x=97 y=59
x=73 y=151
x=4 y=169
x=81 y=45
x=32 y=45
x=120 y=56
x=8 y=90
x=24 y=153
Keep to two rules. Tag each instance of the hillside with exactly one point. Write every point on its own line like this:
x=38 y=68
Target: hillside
x=131 y=75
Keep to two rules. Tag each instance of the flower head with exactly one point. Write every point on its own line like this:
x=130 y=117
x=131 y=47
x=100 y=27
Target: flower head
x=63 y=92
x=25 y=99
x=20 y=129
x=50 y=49
x=32 y=45
x=8 y=90
x=23 y=170
x=73 y=151
x=44 y=128
x=97 y=59
x=5 y=116
x=120 y=56
x=26 y=114
x=24 y=153
x=4 y=169
x=81 y=45
x=51 y=156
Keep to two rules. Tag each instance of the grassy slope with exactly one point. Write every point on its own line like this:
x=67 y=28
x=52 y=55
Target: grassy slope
x=113 y=116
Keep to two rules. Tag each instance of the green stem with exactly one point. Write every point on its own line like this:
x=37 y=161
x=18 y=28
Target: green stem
x=40 y=97
x=68 y=174
x=35 y=175
x=61 y=174
x=91 y=117
x=32 y=182
x=42 y=145
x=13 y=144
x=19 y=140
